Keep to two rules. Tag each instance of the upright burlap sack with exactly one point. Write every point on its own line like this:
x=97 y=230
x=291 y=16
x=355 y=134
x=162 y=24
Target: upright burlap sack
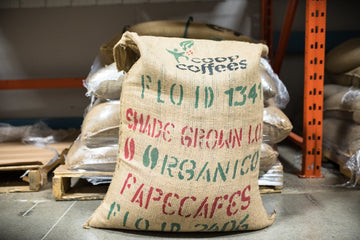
x=101 y=125
x=190 y=137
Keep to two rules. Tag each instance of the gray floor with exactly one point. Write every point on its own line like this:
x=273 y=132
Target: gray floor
x=306 y=209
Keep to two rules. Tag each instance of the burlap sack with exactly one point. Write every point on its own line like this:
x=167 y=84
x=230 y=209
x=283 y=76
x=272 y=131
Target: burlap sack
x=101 y=125
x=190 y=136
x=277 y=125
x=332 y=89
x=350 y=78
x=268 y=157
x=273 y=87
x=268 y=84
x=105 y=83
x=80 y=157
x=344 y=57
x=170 y=28
x=341 y=137
x=344 y=102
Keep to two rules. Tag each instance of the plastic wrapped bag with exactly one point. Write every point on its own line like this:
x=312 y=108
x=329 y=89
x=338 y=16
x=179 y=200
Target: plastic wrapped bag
x=37 y=134
x=81 y=157
x=268 y=157
x=101 y=124
x=282 y=97
x=342 y=102
x=277 y=125
x=341 y=143
x=104 y=82
x=9 y=133
x=353 y=164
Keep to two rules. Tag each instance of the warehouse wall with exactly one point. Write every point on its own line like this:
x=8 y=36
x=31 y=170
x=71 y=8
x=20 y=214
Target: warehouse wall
x=61 y=40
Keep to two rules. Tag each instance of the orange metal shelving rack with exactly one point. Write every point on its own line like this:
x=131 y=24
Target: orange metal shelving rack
x=313 y=87
x=315 y=29
x=41 y=83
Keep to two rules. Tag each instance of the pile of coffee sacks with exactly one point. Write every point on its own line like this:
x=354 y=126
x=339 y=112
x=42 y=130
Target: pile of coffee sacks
x=341 y=135
x=97 y=146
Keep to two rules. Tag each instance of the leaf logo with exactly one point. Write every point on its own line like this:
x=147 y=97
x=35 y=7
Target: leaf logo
x=185 y=45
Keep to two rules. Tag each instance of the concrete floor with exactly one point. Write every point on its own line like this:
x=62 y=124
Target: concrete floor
x=306 y=209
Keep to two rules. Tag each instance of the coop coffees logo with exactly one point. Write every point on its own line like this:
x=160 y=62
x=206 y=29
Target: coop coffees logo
x=209 y=65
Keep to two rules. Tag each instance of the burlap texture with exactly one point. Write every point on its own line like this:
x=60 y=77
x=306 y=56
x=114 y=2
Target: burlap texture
x=190 y=137
x=170 y=28
x=268 y=157
x=342 y=102
x=350 y=78
x=269 y=87
x=341 y=135
x=277 y=125
x=101 y=124
x=344 y=57
x=80 y=157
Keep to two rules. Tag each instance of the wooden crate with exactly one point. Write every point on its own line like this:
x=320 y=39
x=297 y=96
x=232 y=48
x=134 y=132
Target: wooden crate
x=70 y=184
x=17 y=158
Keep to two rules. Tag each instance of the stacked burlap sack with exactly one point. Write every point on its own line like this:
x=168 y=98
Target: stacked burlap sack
x=341 y=123
x=276 y=124
x=97 y=145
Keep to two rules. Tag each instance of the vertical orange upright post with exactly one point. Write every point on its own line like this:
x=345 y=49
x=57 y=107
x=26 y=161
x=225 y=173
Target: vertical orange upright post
x=285 y=35
x=313 y=87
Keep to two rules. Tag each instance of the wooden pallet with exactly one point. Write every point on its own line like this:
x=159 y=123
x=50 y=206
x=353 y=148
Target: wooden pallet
x=70 y=184
x=272 y=181
x=17 y=158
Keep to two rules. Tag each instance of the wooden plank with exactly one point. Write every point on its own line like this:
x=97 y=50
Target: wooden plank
x=62 y=189
x=35 y=180
x=62 y=170
x=13 y=189
x=17 y=153
x=17 y=158
x=269 y=189
x=19 y=167
x=60 y=186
